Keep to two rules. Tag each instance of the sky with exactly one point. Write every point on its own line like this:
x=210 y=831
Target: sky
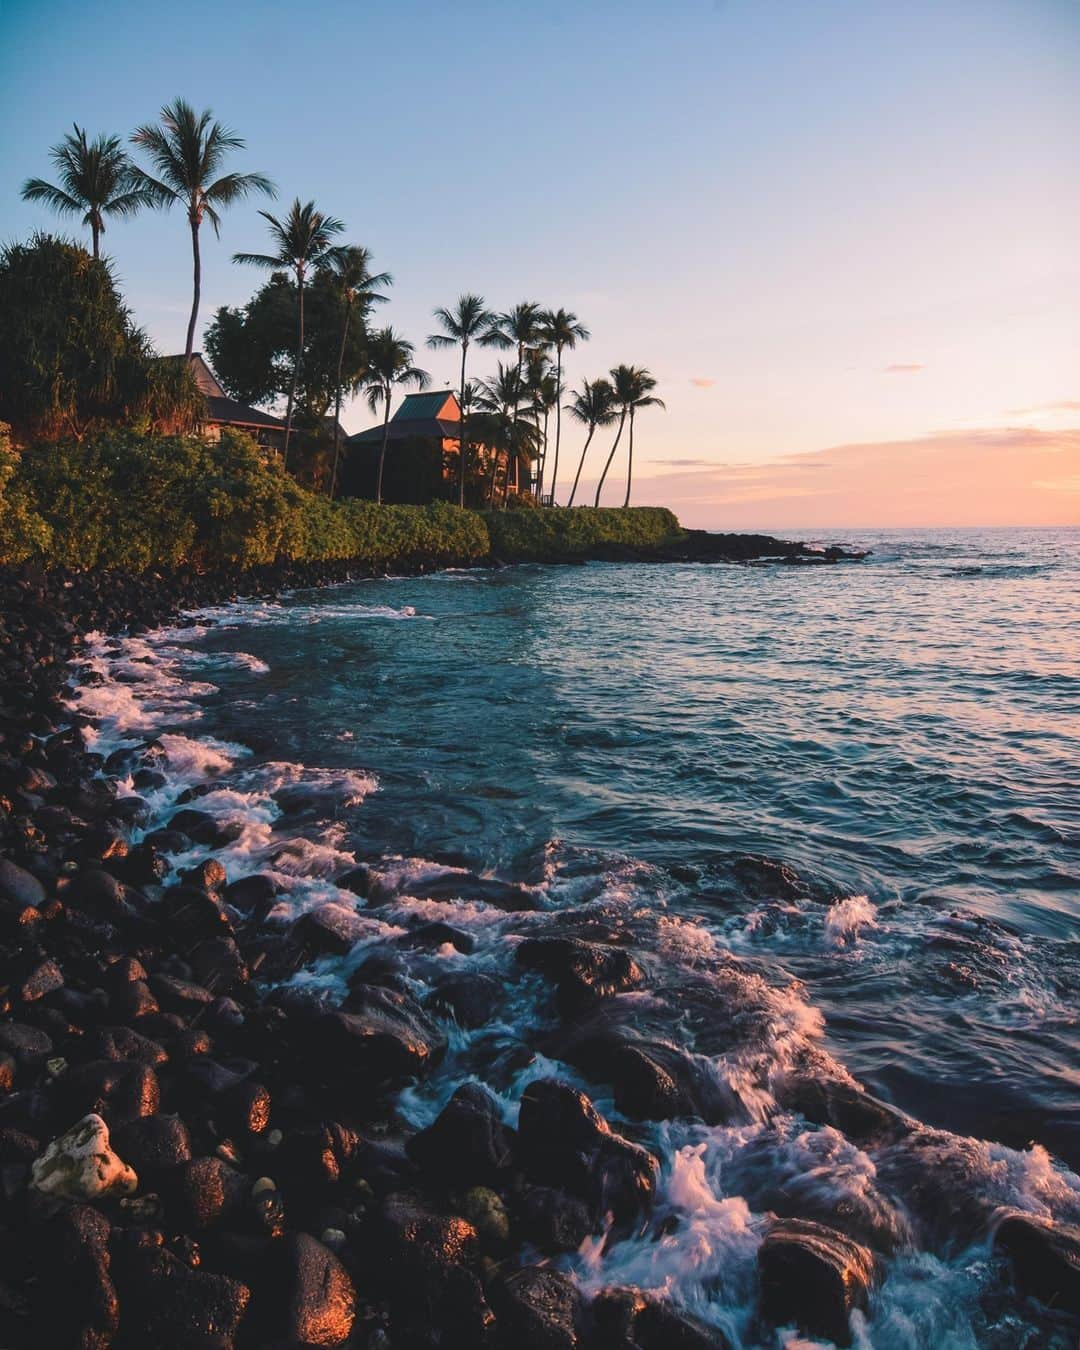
x=844 y=235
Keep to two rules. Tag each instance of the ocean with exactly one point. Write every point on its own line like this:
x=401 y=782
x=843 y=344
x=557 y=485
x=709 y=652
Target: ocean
x=843 y=801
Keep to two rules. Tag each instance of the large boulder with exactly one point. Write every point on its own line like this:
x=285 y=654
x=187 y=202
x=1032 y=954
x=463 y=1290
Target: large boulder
x=17 y=884
x=168 y=1305
x=1045 y=1258
x=427 y=1259
x=382 y=1035
x=584 y=972
x=119 y=1090
x=307 y=1298
x=627 y=1319
x=564 y=1142
x=468 y=1143
x=813 y=1277
x=540 y=1309
x=75 y=1300
x=81 y=1165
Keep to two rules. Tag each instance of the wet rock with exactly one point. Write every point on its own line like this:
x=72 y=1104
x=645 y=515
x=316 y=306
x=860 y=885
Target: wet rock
x=119 y=1090
x=154 y=1144
x=845 y=1106
x=627 y=1319
x=18 y=922
x=134 y=1000
x=467 y=1143
x=813 y=1277
x=121 y=1043
x=552 y=1220
x=81 y=1165
x=565 y=1142
x=200 y=827
x=29 y=1046
x=427 y=1258
x=1045 y=1259
x=432 y=936
x=330 y=929
x=75 y=1300
x=182 y=996
x=357 y=880
x=208 y=875
x=485 y=1210
x=585 y=972
x=169 y=1305
x=193 y=913
x=541 y=1309
x=218 y=964
x=131 y=811
x=470 y=998
x=314 y=1156
x=44 y=977
x=245 y=1108
x=382 y=1036
x=468 y=886
x=208 y=1191
x=253 y=894
x=308 y=1298
x=100 y=893
x=17 y=884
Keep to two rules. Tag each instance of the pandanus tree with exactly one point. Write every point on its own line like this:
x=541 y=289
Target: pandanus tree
x=348 y=270
x=518 y=328
x=304 y=240
x=390 y=364
x=95 y=180
x=593 y=405
x=467 y=322
x=632 y=386
x=562 y=331
x=187 y=151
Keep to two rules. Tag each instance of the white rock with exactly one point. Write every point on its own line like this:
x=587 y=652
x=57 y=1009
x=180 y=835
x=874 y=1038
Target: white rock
x=80 y=1165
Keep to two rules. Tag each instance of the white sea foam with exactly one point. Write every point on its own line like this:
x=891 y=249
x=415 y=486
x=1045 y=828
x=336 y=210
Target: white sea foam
x=845 y=919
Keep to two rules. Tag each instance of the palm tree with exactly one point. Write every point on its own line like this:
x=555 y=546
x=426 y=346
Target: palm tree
x=542 y=391
x=496 y=398
x=562 y=330
x=304 y=240
x=95 y=179
x=186 y=151
x=518 y=327
x=349 y=272
x=593 y=406
x=390 y=363
x=639 y=388
x=632 y=385
x=469 y=321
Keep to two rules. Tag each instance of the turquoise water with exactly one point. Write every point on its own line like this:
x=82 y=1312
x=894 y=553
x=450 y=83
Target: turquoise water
x=902 y=736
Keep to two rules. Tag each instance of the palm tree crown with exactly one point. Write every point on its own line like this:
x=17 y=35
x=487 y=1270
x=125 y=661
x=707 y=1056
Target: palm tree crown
x=633 y=390
x=187 y=151
x=96 y=179
x=593 y=405
x=563 y=331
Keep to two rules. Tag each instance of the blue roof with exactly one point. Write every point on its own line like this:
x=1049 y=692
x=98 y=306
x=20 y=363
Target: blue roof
x=423 y=405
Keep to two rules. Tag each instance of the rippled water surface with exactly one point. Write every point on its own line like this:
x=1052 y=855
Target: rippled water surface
x=902 y=736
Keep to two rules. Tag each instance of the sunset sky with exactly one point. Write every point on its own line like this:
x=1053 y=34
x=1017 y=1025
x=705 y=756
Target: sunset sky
x=843 y=234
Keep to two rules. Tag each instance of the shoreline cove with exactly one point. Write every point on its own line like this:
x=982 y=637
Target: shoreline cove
x=366 y=1097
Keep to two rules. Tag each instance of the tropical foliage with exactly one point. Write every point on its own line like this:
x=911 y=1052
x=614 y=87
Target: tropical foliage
x=70 y=356
x=390 y=364
x=468 y=322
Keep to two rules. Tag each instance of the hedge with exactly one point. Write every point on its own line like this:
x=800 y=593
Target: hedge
x=132 y=501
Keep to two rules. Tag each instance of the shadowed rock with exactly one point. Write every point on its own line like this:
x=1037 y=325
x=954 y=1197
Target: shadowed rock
x=813 y=1277
x=1045 y=1259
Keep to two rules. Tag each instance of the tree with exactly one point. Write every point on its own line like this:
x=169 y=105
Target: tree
x=469 y=321
x=70 y=356
x=593 y=406
x=348 y=271
x=543 y=395
x=187 y=150
x=518 y=328
x=390 y=363
x=561 y=330
x=96 y=179
x=632 y=385
x=304 y=240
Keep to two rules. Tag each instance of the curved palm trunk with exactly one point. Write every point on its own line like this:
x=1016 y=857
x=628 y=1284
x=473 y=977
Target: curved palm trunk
x=558 y=425
x=296 y=362
x=337 y=398
x=630 y=461
x=581 y=463
x=463 y=443
x=382 y=447
x=197 y=286
x=618 y=437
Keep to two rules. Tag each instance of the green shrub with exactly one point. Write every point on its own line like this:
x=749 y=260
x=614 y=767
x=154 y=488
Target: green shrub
x=561 y=532
x=23 y=533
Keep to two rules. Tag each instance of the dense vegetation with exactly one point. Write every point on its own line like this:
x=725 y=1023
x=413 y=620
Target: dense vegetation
x=121 y=499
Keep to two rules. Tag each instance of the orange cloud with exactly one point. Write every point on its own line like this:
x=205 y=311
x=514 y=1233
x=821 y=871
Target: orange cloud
x=996 y=476
x=702 y=382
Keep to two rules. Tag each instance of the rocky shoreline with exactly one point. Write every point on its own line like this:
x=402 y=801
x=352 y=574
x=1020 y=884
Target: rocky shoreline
x=195 y=1154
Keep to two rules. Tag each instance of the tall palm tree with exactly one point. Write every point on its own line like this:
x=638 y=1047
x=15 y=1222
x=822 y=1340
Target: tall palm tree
x=187 y=150
x=593 y=405
x=519 y=328
x=305 y=240
x=542 y=392
x=639 y=388
x=469 y=321
x=562 y=331
x=633 y=386
x=390 y=363
x=349 y=271
x=95 y=179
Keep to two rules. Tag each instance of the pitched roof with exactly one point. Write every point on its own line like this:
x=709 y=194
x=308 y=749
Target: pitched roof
x=407 y=429
x=442 y=404
x=232 y=413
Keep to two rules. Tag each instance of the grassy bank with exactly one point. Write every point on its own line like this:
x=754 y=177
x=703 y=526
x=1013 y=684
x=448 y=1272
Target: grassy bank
x=129 y=501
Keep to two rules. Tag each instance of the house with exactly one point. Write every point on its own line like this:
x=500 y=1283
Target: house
x=226 y=413
x=422 y=447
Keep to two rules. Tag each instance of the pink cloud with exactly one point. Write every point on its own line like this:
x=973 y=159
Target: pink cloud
x=904 y=368
x=702 y=382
